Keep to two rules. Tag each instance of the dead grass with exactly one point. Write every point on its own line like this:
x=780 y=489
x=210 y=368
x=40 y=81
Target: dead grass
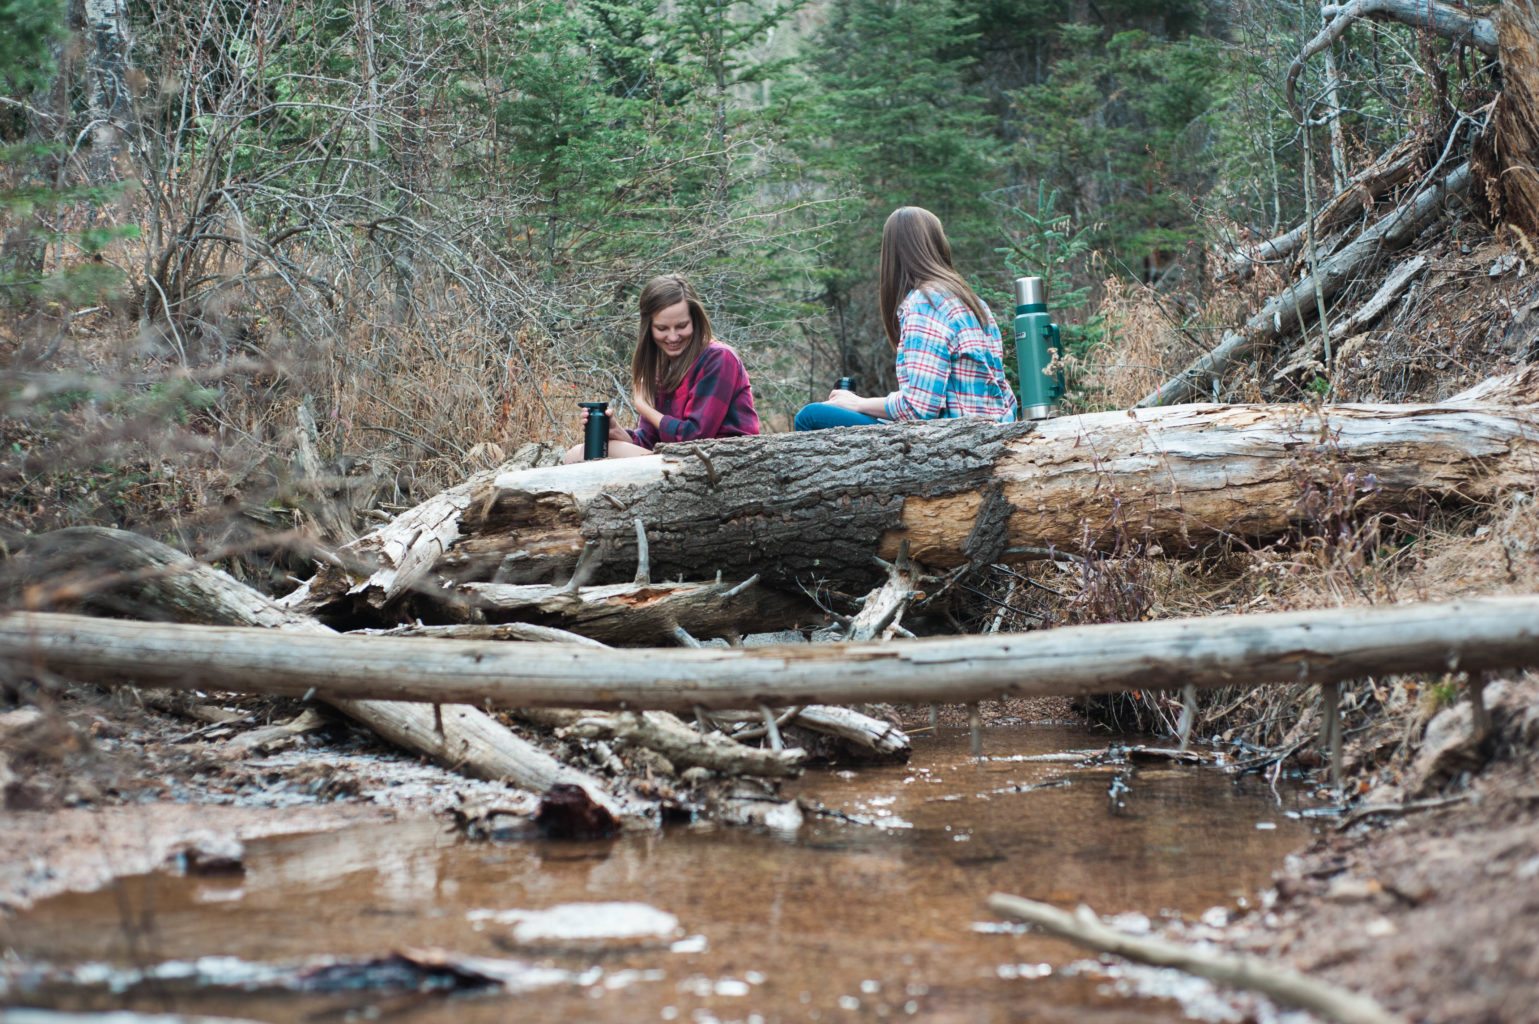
x=1140 y=349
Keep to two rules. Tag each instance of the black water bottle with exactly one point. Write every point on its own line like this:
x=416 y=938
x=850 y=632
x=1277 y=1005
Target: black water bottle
x=845 y=384
x=595 y=436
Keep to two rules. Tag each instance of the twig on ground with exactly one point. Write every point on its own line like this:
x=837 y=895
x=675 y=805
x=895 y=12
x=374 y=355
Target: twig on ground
x=1395 y=810
x=1280 y=983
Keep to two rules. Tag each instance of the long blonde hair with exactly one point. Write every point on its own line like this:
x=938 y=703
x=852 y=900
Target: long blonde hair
x=652 y=372
x=915 y=254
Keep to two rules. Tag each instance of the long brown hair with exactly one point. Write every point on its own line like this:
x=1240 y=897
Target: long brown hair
x=915 y=254
x=652 y=372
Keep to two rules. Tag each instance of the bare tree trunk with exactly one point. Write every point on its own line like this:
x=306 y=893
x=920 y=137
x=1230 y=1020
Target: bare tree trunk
x=107 y=99
x=1517 y=117
x=1290 y=647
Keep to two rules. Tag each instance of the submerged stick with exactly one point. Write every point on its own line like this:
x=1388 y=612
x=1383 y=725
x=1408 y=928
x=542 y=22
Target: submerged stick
x=1248 y=972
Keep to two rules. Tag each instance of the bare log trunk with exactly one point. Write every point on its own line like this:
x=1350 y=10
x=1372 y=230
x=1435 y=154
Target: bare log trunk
x=813 y=507
x=1294 y=647
x=644 y=614
x=130 y=574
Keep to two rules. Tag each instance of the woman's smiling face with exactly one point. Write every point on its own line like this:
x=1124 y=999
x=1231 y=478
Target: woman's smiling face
x=673 y=329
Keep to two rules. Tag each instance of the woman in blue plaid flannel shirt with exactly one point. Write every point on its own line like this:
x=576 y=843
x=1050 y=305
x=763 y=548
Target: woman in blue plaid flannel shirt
x=950 y=358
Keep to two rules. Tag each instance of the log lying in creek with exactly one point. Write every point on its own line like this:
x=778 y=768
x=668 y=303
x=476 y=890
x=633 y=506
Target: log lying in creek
x=816 y=506
x=1293 y=647
x=114 y=571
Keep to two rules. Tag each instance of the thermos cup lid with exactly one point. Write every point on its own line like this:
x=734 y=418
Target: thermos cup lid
x=1029 y=291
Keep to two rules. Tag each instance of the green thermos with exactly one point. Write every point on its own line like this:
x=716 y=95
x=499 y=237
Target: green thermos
x=1036 y=343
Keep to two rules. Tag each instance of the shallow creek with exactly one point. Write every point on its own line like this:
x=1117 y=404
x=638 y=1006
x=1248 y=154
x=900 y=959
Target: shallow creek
x=882 y=918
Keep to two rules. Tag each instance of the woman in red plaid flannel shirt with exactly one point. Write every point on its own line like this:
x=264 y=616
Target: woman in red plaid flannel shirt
x=685 y=385
x=950 y=357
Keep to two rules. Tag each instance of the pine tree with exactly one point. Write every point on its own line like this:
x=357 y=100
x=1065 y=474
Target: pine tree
x=892 y=122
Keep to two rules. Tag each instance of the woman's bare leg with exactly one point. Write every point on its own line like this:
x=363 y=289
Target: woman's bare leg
x=617 y=450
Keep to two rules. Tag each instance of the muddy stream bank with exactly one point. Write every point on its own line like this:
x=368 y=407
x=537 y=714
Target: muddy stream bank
x=873 y=911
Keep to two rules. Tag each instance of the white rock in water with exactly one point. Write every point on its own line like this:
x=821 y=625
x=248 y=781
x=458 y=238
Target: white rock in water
x=588 y=923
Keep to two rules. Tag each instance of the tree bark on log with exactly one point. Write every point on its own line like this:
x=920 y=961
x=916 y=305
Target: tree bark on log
x=1295 y=647
x=644 y=615
x=130 y=574
x=1515 y=178
x=1285 y=311
x=812 y=508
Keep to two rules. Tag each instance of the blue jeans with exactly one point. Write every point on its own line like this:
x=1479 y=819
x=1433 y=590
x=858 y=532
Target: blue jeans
x=822 y=415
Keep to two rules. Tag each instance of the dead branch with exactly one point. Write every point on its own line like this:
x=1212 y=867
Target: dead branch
x=130 y=574
x=1247 y=972
x=857 y=728
x=1285 y=311
x=392 y=559
x=1360 y=194
x=1309 y=647
x=681 y=745
x=1445 y=20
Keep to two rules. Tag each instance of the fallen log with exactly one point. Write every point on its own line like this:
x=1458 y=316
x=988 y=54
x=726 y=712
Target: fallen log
x=1246 y=972
x=640 y=614
x=1298 y=304
x=1359 y=195
x=812 y=508
x=124 y=573
x=1325 y=646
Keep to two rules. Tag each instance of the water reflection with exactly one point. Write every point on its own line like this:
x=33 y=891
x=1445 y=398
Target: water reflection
x=841 y=921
